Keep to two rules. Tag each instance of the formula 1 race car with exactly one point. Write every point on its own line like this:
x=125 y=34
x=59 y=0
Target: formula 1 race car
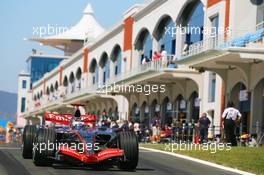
x=78 y=141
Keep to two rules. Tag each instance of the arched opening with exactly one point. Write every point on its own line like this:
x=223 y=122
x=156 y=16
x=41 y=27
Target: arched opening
x=155 y=109
x=164 y=33
x=72 y=82
x=135 y=113
x=110 y=113
x=166 y=111
x=194 y=110
x=181 y=109
x=65 y=84
x=98 y=114
x=41 y=94
x=79 y=73
x=78 y=78
x=192 y=17
x=47 y=91
x=38 y=96
x=94 y=70
x=52 y=92
x=258 y=107
x=145 y=120
x=72 y=78
x=105 y=65
x=65 y=81
x=116 y=115
x=35 y=97
x=51 y=88
x=241 y=98
x=56 y=86
x=116 y=57
x=144 y=44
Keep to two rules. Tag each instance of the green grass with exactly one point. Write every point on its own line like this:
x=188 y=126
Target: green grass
x=242 y=158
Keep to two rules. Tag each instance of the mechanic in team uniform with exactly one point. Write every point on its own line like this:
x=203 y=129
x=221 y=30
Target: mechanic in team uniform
x=231 y=116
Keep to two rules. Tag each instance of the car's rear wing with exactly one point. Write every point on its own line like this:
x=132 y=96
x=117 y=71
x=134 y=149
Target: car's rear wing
x=66 y=119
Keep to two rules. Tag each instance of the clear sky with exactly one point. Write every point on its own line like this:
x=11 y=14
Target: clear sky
x=18 y=18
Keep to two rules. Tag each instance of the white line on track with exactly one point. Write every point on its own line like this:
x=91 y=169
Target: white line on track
x=5 y=148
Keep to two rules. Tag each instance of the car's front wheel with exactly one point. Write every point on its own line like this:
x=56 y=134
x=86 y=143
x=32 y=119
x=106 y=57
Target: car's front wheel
x=128 y=142
x=28 y=138
x=45 y=142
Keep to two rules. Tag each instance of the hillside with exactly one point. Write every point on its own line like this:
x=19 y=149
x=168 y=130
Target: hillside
x=8 y=104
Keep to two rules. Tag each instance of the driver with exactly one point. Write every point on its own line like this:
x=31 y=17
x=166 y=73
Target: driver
x=77 y=113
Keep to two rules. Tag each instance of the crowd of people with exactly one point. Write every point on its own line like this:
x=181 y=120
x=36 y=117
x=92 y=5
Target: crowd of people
x=162 y=132
x=157 y=131
x=14 y=135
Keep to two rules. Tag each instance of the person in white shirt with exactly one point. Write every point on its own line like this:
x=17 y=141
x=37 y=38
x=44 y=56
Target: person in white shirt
x=230 y=116
x=136 y=128
x=164 y=58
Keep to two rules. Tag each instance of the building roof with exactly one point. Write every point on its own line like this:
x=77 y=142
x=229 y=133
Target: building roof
x=87 y=28
x=24 y=73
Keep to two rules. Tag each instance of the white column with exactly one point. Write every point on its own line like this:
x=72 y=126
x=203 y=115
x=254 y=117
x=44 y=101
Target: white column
x=112 y=69
x=84 y=80
x=123 y=107
x=100 y=78
x=180 y=39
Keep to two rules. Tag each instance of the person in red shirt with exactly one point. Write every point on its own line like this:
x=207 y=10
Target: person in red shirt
x=156 y=56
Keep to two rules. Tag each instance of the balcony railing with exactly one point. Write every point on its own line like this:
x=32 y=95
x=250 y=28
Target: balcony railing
x=156 y=65
x=221 y=42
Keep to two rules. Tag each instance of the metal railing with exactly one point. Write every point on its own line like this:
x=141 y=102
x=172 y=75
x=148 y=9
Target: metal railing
x=209 y=43
x=221 y=42
x=155 y=65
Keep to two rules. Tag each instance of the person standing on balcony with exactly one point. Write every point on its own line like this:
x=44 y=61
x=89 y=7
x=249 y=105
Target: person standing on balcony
x=144 y=61
x=156 y=59
x=164 y=58
x=157 y=56
x=231 y=116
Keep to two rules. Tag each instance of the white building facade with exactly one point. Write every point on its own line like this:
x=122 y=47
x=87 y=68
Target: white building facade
x=202 y=70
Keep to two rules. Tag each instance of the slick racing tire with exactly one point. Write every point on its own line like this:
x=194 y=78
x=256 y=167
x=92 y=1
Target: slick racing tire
x=128 y=142
x=46 y=147
x=28 y=138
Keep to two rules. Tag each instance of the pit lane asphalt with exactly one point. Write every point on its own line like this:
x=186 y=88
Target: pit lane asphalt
x=150 y=163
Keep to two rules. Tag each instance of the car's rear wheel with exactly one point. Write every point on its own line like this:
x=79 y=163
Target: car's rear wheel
x=46 y=147
x=128 y=142
x=28 y=138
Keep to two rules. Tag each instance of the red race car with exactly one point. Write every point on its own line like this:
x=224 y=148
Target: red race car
x=76 y=139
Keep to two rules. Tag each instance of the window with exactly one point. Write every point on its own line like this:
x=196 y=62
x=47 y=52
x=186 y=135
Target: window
x=215 y=25
x=116 y=69
x=23 y=104
x=260 y=13
x=24 y=84
x=195 y=24
x=173 y=45
x=38 y=66
x=168 y=39
x=93 y=79
x=213 y=90
x=118 y=63
x=148 y=46
x=212 y=87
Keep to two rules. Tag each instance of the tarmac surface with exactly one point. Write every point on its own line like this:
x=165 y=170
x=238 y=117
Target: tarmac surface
x=150 y=163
